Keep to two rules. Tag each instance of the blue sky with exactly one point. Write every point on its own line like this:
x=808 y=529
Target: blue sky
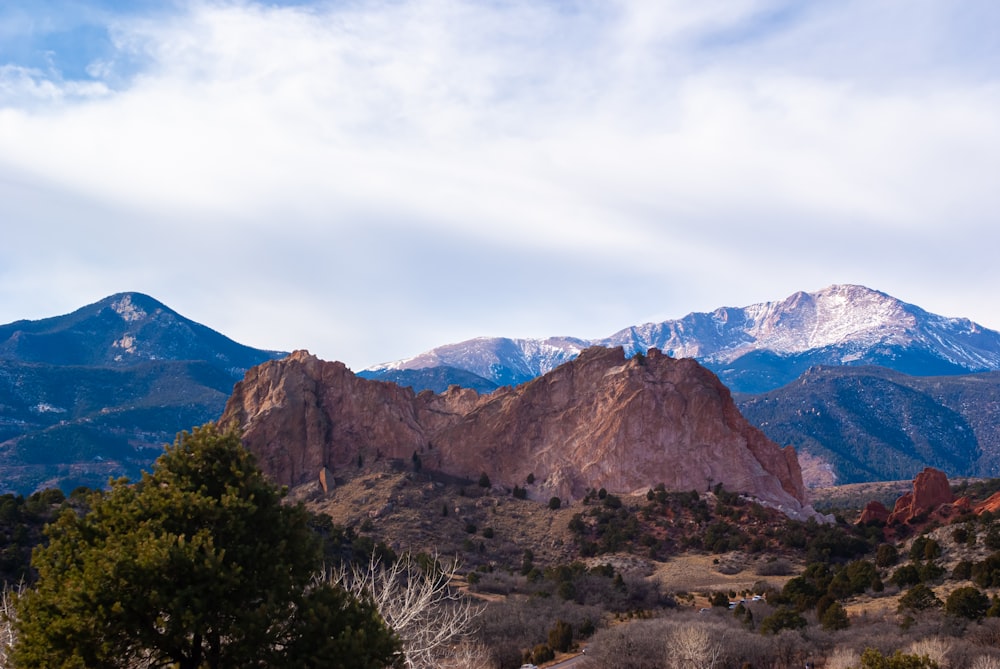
x=371 y=179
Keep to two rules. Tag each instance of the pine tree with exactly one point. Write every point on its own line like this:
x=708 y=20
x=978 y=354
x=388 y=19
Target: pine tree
x=199 y=564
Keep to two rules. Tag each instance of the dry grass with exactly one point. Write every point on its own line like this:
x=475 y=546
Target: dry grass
x=699 y=574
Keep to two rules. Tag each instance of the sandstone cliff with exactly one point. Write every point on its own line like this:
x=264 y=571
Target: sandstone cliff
x=597 y=421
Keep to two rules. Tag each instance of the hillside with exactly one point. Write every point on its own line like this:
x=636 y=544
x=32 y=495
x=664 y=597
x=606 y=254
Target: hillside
x=97 y=393
x=873 y=424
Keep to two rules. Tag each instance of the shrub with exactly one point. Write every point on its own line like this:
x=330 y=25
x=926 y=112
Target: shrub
x=561 y=636
x=919 y=598
x=992 y=538
x=484 y=480
x=782 y=619
x=777 y=567
x=835 y=618
x=904 y=576
x=986 y=574
x=886 y=556
x=872 y=659
x=967 y=602
x=542 y=653
x=554 y=503
x=720 y=599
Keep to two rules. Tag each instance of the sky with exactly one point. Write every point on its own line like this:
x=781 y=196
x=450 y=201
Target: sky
x=370 y=179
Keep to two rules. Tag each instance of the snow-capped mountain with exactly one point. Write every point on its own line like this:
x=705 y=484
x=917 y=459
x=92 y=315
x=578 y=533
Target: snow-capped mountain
x=498 y=360
x=754 y=348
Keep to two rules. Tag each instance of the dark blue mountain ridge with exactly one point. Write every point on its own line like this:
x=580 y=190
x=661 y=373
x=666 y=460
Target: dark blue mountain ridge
x=120 y=331
x=97 y=393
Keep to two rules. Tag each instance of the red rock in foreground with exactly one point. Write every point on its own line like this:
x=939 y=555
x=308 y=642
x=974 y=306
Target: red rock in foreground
x=599 y=421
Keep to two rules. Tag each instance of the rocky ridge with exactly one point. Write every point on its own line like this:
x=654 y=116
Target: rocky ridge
x=599 y=421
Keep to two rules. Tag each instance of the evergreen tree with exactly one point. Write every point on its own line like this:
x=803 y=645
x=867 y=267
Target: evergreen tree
x=835 y=617
x=199 y=565
x=967 y=602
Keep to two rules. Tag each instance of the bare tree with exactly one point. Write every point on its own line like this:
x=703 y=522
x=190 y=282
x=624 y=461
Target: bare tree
x=936 y=648
x=8 y=620
x=843 y=658
x=692 y=647
x=468 y=655
x=431 y=617
x=985 y=662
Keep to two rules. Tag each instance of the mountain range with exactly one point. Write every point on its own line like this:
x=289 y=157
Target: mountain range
x=864 y=386
x=97 y=393
x=753 y=349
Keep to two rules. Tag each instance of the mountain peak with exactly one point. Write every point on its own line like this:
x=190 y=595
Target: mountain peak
x=133 y=307
x=758 y=347
x=121 y=330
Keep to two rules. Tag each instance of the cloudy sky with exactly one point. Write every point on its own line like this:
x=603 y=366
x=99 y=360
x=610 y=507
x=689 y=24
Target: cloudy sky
x=368 y=179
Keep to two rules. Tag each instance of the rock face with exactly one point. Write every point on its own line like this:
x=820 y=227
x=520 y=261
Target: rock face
x=930 y=491
x=874 y=511
x=597 y=421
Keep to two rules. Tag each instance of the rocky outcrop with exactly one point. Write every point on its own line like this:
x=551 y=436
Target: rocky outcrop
x=991 y=504
x=599 y=421
x=874 y=511
x=930 y=490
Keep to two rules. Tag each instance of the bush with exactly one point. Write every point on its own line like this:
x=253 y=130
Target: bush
x=777 y=567
x=782 y=619
x=835 y=618
x=992 y=539
x=872 y=659
x=967 y=602
x=484 y=480
x=719 y=599
x=886 y=556
x=905 y=576
x=542 y=653
x=919 y=598
x=561 y=636
x=554 y=503
x=962 y=571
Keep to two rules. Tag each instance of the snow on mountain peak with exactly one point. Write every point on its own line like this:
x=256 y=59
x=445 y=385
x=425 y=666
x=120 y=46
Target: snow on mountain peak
x=851 y=323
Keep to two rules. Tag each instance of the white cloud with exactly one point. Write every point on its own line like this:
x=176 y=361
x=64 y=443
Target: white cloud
x=709 y=153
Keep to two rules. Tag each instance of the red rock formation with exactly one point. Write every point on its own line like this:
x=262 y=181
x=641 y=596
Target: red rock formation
x=930 y=490
x=597 y=421
x=874 y=511
x=991 y=504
